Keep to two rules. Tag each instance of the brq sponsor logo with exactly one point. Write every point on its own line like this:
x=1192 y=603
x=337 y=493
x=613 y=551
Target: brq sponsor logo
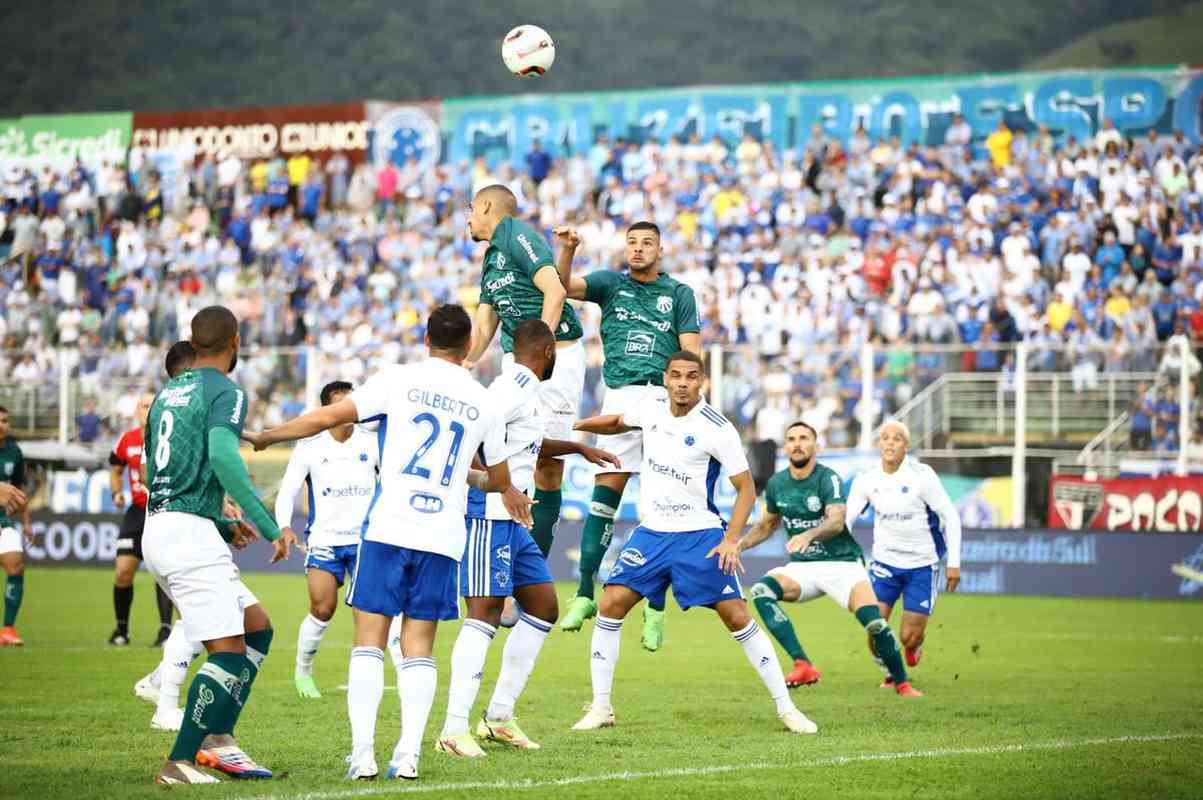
x=640 y=344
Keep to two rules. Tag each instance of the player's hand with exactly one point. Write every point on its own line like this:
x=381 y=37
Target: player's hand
x=230 y=509
x=283 y=545
x=244 y=534
x=952 y=579
x=11 y=498
x=567 y=237
x=256 y=440
x=798 y=544
x=595 y=455
x=119 y=500
x=728 y=556
x=518 y=505
x=27 y=532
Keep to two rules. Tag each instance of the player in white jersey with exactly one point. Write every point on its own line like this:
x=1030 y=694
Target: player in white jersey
x=501 y=558
x=338 y=470
x=680 y=541
x=433 y=417
x=915 y=525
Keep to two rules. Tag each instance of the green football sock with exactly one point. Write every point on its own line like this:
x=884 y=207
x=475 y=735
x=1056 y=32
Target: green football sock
x=213 y=702
x=883 y=641
x=257 y=645
x=765 y=594
x=595 y=538
x=546 y=513
x=14 y=591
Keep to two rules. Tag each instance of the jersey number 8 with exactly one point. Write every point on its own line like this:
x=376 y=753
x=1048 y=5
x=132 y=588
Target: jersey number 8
x=163 y=445
x=457 y=437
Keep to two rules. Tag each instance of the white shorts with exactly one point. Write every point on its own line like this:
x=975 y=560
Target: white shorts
x=835 y=579
x=560 y=395
x=627 y=446
x=189 y=559
x=10 y=541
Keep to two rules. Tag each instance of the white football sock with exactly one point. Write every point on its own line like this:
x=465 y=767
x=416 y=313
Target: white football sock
x=394 y=643
x=763 y=658
x=517 y=661
x=467 y=669
x=607 y=637
x=365 y=688
x=420 y=679
x=178 y=653
x=309 y=638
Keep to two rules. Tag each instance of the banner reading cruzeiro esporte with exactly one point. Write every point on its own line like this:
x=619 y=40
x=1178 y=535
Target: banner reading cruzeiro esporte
x=58 y=140
x=914 y=109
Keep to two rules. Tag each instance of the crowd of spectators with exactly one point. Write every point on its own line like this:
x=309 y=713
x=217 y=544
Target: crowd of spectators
x=944 y=256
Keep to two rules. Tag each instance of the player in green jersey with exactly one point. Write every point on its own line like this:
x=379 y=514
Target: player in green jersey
x=518 y=282
x=808 y=499
x=12 y=542
x=646 y=317
x=193 y=461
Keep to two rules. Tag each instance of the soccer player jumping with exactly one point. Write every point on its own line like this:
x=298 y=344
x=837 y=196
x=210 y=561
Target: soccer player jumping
x=339 y=468
x=808 y=499
x=915 y=525
x=193 y=461
x=680 y=541
x=646 y=317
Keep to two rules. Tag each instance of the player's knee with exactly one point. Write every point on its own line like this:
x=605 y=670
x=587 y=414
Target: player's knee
x=912 y=637
x=322 y=609
x=737 y=618
x=123 y=578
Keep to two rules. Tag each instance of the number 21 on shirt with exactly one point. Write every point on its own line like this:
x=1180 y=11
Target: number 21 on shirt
x=415 y=466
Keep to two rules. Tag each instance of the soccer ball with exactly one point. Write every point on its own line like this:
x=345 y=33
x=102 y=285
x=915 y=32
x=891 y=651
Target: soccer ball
x=528 y=51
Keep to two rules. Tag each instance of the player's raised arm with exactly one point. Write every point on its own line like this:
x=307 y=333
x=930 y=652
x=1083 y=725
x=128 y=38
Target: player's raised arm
x=344 y=412
x=762 y=530
x=569 y=240
x=484 y=328
x=933 y=493
x=608 y=425
x=290 y=484
x=594 y=455
x=547 y=281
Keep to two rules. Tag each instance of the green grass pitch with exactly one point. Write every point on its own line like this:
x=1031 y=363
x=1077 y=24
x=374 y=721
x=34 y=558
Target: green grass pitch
x=1025 y=698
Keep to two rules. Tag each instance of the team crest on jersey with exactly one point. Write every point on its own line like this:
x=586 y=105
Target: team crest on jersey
x=905 y=489
x=814 y=503
x=363 y=456
x=689 y=441
x=664 y=304
x=8 y=468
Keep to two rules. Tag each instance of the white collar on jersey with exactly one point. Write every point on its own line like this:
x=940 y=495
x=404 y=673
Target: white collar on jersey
x=514 y=368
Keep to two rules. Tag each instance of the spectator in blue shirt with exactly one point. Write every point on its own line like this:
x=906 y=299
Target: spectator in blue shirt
x=538 y=162
x=1167 y=255
x=1165 y=441
x=87 y=423
x=1110 y=258
x=1165 y=314
x=1140 y=428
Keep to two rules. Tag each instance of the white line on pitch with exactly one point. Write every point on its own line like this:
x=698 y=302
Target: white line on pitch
x=398 y=787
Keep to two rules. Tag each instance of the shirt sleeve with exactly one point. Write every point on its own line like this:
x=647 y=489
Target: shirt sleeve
x=117 y=457
x=492 y=448
x=770 y=498
x=633 y=417
x=858 y=499
x=529 y=250
x=294 y=476
x=228 y=409
x=729 y=451
x=686 y=311
x=19 y=471
x=937 y=498
x=371 y=399
x=831 y=489
x=599 y=285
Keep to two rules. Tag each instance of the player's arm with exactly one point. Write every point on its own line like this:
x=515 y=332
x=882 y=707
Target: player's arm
x=934 y=494
x=833 y=525
x=19 y=482
x=311 y=423
x=12 y=499
x=607 y=425
x=562 y=447
x=685 y=317
x=858 y=501
x=232 y=474
x=762 y=530
x=691 y=342
x=729 y=548
x=547 y=281
x=290 y=484
x=569 y=241
x=116 y=471
x=484 y=328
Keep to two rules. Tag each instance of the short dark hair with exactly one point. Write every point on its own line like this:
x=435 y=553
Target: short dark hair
x=532 y=334
x=332 y=388
x=179 y=356
x=213 y=330
x=685 y=355
x=800 y=424
x=500 y=194
x=644 y=225
x=449 y=327
x=3 y=410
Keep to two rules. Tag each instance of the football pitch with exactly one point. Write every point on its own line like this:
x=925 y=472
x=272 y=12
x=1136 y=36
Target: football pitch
x=1026 y=697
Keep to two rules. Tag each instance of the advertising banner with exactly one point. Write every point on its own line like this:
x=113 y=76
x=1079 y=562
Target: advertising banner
x=257 y=132
x=59 y=139
x=1071 y=103
x=1167 y=504
x=399 y=132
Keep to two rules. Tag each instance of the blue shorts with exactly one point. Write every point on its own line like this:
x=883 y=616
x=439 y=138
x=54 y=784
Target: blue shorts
x=393 y=580
x=500 y=556
x=651 y=562
x=917 y=586
x=339 y=560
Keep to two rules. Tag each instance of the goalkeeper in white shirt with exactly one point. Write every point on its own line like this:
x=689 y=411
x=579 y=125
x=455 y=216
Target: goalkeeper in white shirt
x=915 y=527
x=338 y=469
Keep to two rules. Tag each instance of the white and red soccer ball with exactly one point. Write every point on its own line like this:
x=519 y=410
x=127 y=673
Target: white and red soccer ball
x=528 y=51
